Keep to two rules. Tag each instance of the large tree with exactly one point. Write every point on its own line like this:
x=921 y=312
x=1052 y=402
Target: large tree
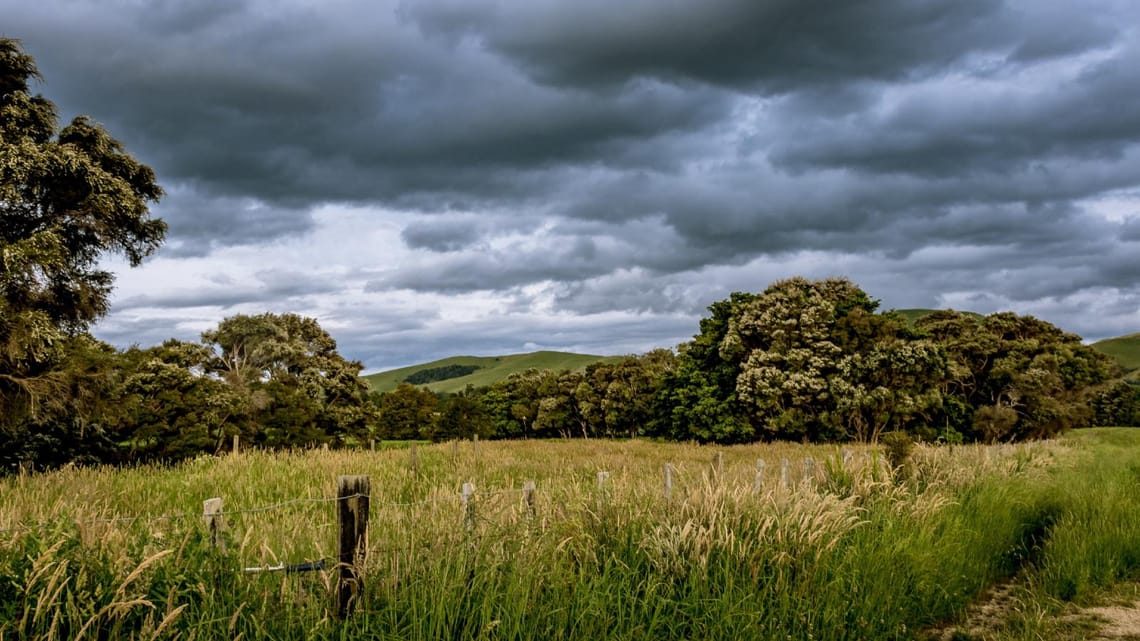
x=296 y=387
x=68 y=197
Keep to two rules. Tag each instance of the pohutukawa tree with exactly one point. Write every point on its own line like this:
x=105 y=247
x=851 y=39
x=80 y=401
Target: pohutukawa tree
x=67 y=198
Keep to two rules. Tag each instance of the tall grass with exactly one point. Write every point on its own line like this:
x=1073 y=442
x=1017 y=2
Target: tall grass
x=854 y=552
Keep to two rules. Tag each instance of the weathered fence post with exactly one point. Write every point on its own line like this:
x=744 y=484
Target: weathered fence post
x=668 y=480
x=414 y=460
x=784 y=473
x=718 y=466
x=237 y=442
x=352 y=519
x=809 y=471
x=528 y=499
x=469 y=506
x=212 y=515
x=758 y=483
x=372 y=444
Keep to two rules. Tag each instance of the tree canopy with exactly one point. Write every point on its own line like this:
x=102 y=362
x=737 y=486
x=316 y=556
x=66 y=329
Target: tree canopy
x=68 y=197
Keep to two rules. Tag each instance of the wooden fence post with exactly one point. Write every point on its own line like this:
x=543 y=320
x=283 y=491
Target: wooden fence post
x=372 y=445
x=758 y=483
x=414 y=460
x=237 y=441
x=718 y=466
x=809 y=471
x=668 y=480
x=784 y=473
x=469 y=506
x=212 y=515
x=352 y=519
x=528 y=499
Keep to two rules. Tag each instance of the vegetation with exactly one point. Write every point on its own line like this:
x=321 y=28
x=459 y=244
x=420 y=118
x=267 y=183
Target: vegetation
x=858 y=553
x=434 y=374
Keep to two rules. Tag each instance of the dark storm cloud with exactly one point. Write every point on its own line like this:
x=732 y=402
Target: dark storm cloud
x=766 y=45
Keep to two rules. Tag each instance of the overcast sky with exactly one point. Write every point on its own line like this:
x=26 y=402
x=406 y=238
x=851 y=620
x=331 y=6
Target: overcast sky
x=440 y=177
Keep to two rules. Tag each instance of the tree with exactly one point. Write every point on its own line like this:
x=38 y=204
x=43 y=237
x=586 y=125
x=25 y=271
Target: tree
x=886 y=387
x=697 y=397
x=462 y=415
x=171 y=409
x=296 y=387
x=67 y=199
x=790 y=341
x=1014 y=377
x=408 y=413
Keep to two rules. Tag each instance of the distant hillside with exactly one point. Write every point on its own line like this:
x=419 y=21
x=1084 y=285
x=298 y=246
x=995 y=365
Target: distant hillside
x=1125 y=349
x=488 y=369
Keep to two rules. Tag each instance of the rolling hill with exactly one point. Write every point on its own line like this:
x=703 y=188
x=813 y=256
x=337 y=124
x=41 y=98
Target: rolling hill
x=488 y=369
x=1125 y=349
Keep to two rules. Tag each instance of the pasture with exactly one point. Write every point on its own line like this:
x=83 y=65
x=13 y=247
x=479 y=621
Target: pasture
x=843 y=547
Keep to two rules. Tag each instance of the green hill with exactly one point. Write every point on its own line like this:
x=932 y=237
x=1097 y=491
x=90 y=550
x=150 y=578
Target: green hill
x=489 y=369
x=1125 y=349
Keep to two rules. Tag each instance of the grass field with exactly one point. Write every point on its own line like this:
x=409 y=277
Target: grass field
x=856 y=551
x=491 y=369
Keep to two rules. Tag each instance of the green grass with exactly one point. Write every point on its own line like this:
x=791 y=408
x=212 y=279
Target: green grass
x=864 y=555
x=1125 y=349
x=491 y=369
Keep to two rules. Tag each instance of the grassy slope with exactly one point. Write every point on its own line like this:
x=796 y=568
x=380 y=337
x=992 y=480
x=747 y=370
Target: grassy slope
x=1125 y=349
x=491 y=369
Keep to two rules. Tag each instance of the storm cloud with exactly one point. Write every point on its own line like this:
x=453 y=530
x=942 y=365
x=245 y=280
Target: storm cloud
x=435 y=177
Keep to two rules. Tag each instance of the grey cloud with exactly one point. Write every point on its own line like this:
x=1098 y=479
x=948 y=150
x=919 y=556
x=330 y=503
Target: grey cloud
x=992 y=128
x=269 y=287
x=200 y=223
x=771 y=45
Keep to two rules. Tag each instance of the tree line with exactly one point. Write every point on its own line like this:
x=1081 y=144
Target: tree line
x=803 y=360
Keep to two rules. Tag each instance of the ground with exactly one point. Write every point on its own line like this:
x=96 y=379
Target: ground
x=1006 y=614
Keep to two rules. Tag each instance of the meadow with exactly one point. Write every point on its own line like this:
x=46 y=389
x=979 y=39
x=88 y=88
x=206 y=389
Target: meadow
x=844 y=547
